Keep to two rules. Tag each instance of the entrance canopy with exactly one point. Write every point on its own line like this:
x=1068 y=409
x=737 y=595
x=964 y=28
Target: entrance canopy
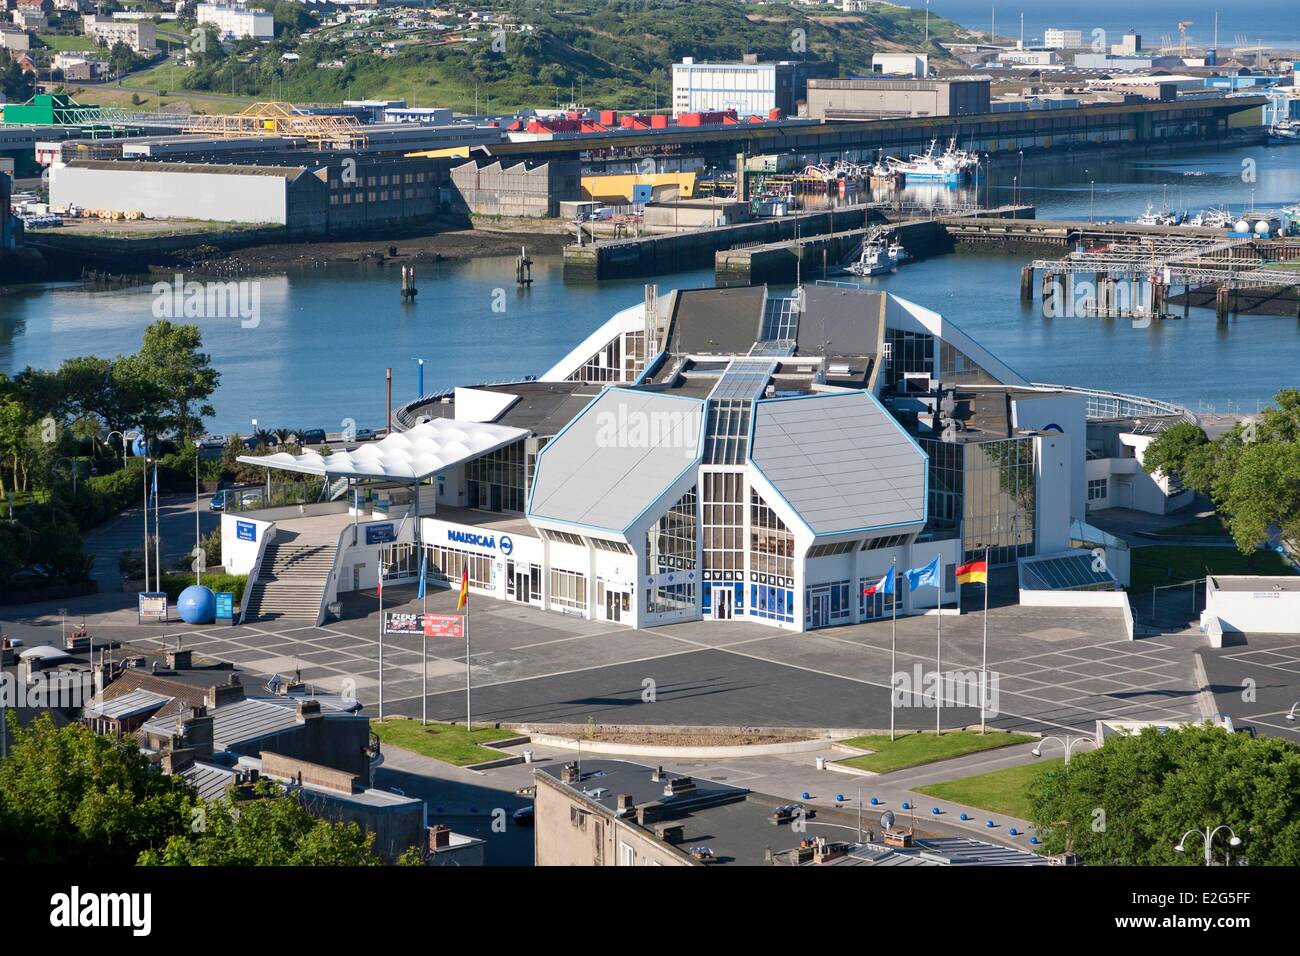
x=425 y=450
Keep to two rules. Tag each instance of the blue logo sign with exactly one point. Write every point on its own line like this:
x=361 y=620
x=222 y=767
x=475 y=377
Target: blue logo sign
x=469 y=537
x=245 y=531
x=380 y=533
x=507 y=546
x=1053 y=427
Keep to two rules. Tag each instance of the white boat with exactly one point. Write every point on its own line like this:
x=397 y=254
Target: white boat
x=897 y=253
x=926 y=168
x=1152 y=218
x=1211 y=219
x=1284 y=131
x=874 y=259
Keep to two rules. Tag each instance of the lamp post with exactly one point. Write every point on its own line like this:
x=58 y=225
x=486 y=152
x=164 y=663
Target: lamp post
x=1068 y=743
x=1291 y=714
x=420 y=364
x=1208 y=836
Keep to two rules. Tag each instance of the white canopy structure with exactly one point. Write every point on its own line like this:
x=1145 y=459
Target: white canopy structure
x=414 y=455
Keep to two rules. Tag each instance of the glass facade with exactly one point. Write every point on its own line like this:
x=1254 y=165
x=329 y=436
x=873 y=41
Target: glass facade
x=957 y=367
x=985 y=490
x=771 y=563
x=671 y=562
x=495 y=481
x=907 y=352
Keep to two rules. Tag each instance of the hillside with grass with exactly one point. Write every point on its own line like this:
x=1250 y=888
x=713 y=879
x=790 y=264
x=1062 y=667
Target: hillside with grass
x=612 y=53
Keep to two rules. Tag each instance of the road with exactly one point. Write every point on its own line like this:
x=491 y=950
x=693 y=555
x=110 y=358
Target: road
x=126 y=531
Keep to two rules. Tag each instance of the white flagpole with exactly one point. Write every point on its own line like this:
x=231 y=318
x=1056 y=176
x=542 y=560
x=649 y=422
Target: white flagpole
x=157 y=533
x=984 y=661
x=381 y=637
x=893 y=643
x=424 y=644
x=468 y=725
x=938 y=659
x=145 y=483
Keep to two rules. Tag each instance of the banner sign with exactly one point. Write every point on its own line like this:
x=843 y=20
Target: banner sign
x=245 y=531
x=225 y=605
x=444 y=625
x=380 y=533
x=398 y=623
x=153 y=607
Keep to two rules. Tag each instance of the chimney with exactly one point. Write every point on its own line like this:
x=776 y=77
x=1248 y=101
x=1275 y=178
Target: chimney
x=623 y=803
x=749 y=58
x=174 y=761
x=569 y=773
x=197 y=734
x=308 y=709
x=178 y=660
x=657 y=775
x=439 y=836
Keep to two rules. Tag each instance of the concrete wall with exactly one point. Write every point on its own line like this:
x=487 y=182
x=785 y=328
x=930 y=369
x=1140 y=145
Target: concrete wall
x=1262 y=610
x=872 y=99
x=219 y=197
x=569 y=831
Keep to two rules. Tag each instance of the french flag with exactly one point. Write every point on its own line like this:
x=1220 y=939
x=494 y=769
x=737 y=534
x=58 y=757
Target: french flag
x=884 y=586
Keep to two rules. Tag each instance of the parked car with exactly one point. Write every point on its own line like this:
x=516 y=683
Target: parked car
x=365 y=434
x=313 y=436
x=250 y=442
x=213 y=441
x=247 y=498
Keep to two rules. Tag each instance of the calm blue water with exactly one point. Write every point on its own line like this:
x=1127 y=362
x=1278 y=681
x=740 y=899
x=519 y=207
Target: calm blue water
x=1271 y=22
x=326 y=335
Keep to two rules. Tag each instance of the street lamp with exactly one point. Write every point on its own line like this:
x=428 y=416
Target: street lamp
x=1291 y=715
x=1068 y=743
x=1208 y=835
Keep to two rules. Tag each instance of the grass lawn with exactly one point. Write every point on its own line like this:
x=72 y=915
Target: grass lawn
x=446 y=742
x=1208 y=526
x=1168 y=564
x=999 y=791
x=62 y=43
x=914 y=749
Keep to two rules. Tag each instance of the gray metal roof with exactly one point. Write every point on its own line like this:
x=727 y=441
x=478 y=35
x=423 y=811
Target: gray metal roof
x=840 y=321
x=211 y=781
x=616 y=459
x=127 y=705
x=242 y=721
x=840 y=460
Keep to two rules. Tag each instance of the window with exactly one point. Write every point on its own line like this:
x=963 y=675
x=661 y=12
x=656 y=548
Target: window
x=771 y=545
x=890 y=541
x=1098 y=489
x=495 y=481
x=401 y=560
x=563 y=537
x=578 y=818
x=603 y=544
x=447 y=564
x=670 y=557
x=568 y=589
x=826 y=550
x=626 y=855
x=724 y=526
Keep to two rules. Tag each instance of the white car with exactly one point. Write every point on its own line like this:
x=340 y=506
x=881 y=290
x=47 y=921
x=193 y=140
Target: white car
x=213 y=441
x=365 y=434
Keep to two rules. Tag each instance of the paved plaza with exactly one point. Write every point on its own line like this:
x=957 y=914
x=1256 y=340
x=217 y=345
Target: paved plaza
x=1056 y=668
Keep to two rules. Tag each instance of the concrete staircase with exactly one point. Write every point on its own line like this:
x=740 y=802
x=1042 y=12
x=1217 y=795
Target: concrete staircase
x=294 y=572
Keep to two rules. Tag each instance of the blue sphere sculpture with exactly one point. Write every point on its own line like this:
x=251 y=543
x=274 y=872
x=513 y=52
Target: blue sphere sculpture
x=197 y=605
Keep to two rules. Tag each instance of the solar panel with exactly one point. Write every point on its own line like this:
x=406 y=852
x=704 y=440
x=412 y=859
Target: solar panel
x=781 y=319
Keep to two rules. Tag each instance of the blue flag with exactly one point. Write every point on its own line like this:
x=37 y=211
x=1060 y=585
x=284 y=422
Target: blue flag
x=926 y=577
x=155 y=483
x=420 y=596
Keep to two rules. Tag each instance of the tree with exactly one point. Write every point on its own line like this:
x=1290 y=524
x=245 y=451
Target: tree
x=72 y=797
x=1130 y=802
x=15 y=82
x=271 y=829
x=182 y=375
x=1252 y=472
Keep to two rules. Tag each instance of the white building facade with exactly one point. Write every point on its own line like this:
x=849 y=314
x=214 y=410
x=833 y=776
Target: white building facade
x=237 y=23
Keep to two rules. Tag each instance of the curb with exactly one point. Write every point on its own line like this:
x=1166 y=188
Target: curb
x=656 y=750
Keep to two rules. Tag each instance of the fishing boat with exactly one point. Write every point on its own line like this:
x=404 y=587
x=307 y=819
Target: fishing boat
x=1152 y=218
x=1284 y=132
x=925 y=168
x=874 y=258
x=897 y=253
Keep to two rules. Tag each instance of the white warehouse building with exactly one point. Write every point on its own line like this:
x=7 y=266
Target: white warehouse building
x=709 y=454
x=237 y=23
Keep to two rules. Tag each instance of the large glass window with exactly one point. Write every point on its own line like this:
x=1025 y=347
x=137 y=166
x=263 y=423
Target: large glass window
x=724 y=526
x=495 y=481
x=446 y=565
x=671 y=562
x=907 y=352
x=771 y=545
x=568 y=589
x=994 y=482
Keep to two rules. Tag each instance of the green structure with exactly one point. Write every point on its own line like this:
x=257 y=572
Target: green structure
x=60 y=109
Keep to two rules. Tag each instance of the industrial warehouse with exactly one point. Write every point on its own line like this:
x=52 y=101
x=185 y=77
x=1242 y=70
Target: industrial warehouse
x=723 y=454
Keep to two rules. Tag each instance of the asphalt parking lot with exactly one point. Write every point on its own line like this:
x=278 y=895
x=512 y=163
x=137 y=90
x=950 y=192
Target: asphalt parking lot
x=1257 y=682
x=1055 y=668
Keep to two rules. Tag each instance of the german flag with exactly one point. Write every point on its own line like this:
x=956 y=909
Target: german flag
x=975 y=572
x=464 y=590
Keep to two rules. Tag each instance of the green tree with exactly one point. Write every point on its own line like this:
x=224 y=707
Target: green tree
x=1171 y=450
x=1130 y=802
x=271 y=829
x=181 y=374
x=15 y=83
x=71 y=797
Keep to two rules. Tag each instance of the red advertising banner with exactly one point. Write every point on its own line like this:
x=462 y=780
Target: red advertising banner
x=444 y=625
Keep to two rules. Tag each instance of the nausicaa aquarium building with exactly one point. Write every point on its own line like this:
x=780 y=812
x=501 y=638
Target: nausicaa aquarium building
x=720 y=454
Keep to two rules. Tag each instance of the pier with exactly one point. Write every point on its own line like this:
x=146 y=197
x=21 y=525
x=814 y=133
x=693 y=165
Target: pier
x=1125 y=260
